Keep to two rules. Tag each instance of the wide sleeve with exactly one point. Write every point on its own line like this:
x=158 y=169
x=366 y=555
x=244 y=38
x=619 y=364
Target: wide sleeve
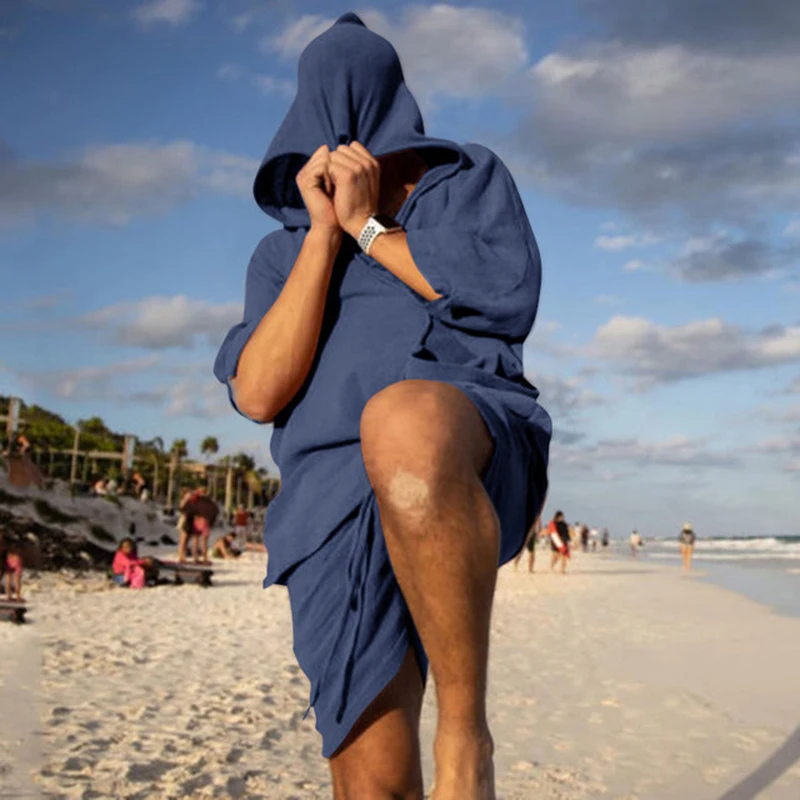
x=263 y=284
x=471 y=239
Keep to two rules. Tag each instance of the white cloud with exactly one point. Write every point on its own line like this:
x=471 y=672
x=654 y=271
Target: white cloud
x=229 y=72
x=161 y=322
x=171 y=12
x=563 y=397
x=269 y=84
x=618 y=243
x=662 y=93
x=607 y=300
x=678 y=451
x=635 y=265
x=445 y=50
x=721 y=257
x=453 y=51
x=292 y=40
x=241 y=22
x=658 y=354
x=86 y=383
x=111 y=184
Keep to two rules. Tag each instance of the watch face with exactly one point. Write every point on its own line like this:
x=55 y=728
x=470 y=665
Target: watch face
x=387 y=221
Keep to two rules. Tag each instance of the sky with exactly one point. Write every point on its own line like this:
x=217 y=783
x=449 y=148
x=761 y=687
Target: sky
x=656 y=147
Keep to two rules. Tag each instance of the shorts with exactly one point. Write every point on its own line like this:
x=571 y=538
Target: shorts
x=352 y=628
x=200 y=527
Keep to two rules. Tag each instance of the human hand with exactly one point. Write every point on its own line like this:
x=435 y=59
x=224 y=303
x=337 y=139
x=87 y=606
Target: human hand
x=316 y=188
x=356 y=176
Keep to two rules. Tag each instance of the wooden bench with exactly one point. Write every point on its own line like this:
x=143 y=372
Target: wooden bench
x=13 y=611
x=188 y=572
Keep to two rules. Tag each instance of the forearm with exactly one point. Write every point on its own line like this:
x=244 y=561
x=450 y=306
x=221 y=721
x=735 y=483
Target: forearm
x=392 y=252
x=278 y=356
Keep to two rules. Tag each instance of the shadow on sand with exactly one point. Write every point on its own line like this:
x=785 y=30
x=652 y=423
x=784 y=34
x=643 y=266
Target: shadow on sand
x=778 y=763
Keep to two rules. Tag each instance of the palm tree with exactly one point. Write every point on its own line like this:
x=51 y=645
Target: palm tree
x=157 y=446
x=245 y=469
x=178 y=451
x=210 y=446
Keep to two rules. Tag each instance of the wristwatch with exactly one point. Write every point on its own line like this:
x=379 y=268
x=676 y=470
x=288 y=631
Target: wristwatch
x=374 y=227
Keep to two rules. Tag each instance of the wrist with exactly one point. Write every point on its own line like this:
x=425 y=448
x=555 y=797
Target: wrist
x=328 y=233
x=355 y=227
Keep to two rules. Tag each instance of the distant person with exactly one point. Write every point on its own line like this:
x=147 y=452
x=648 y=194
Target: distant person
x=225 y=547
x=594 y=535
x=112 y=485
x=138 y=483
x=130 y=570
x=241 y=520
x=530 y=545
x=636 y=543
x=100 y=487
x=183 y=525
x=558 y=532
x=687 y=539
x=605 y=539
x=584 y=533
x=22 y=472
x=11 y=570
x=203 y=512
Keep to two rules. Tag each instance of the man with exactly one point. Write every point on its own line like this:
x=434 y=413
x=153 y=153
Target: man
x=382 y=335
x=636 y=543
x=687 y=538
x=530 y=545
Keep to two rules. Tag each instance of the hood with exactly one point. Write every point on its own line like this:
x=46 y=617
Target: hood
x=350 y=86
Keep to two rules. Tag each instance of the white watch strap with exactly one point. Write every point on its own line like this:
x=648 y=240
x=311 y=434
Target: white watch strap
x=371 y=230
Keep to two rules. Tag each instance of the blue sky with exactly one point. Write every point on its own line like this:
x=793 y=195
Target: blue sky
x=657 y=152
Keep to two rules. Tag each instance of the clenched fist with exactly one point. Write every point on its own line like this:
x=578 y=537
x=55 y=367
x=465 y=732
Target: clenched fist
x=316 y=188
x=356 y=177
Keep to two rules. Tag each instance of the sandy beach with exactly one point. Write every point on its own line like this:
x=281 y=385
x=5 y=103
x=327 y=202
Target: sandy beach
x=621 y=679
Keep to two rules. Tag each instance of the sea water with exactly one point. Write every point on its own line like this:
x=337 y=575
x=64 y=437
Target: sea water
x=764 y=568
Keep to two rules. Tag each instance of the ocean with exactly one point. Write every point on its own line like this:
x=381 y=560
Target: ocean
x=763 y=568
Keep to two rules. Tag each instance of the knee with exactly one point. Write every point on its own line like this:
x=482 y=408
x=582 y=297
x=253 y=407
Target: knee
x=404 y=445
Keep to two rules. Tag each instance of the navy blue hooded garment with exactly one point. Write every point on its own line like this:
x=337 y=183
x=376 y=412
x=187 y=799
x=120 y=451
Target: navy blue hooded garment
x=469 y=236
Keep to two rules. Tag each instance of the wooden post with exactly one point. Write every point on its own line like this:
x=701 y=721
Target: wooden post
x=228 y=489
x=170 y=485
x=73 y=472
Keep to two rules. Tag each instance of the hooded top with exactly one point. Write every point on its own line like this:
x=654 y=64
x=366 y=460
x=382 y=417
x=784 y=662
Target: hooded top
x=350 y=87
x=468 y=234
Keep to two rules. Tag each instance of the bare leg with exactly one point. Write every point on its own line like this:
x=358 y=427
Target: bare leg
x=380 y=758
x=195 y=548
x=531 y=560
x=18 y=584
x=425 y=448
x=553 y=559
x=182 y=542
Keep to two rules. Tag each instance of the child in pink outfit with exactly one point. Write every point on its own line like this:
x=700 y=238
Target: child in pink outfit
x=130 y=570
x=11 y=568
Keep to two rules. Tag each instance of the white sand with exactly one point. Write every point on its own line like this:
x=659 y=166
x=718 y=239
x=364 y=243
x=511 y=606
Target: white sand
x=620 y=680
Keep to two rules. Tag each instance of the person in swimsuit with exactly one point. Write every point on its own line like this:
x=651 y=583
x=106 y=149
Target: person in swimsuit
x=558 y=532
x=382 y=336
x=686 y=538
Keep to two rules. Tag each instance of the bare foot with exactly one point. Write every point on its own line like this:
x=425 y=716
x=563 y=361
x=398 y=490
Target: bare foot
x=464 y=766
